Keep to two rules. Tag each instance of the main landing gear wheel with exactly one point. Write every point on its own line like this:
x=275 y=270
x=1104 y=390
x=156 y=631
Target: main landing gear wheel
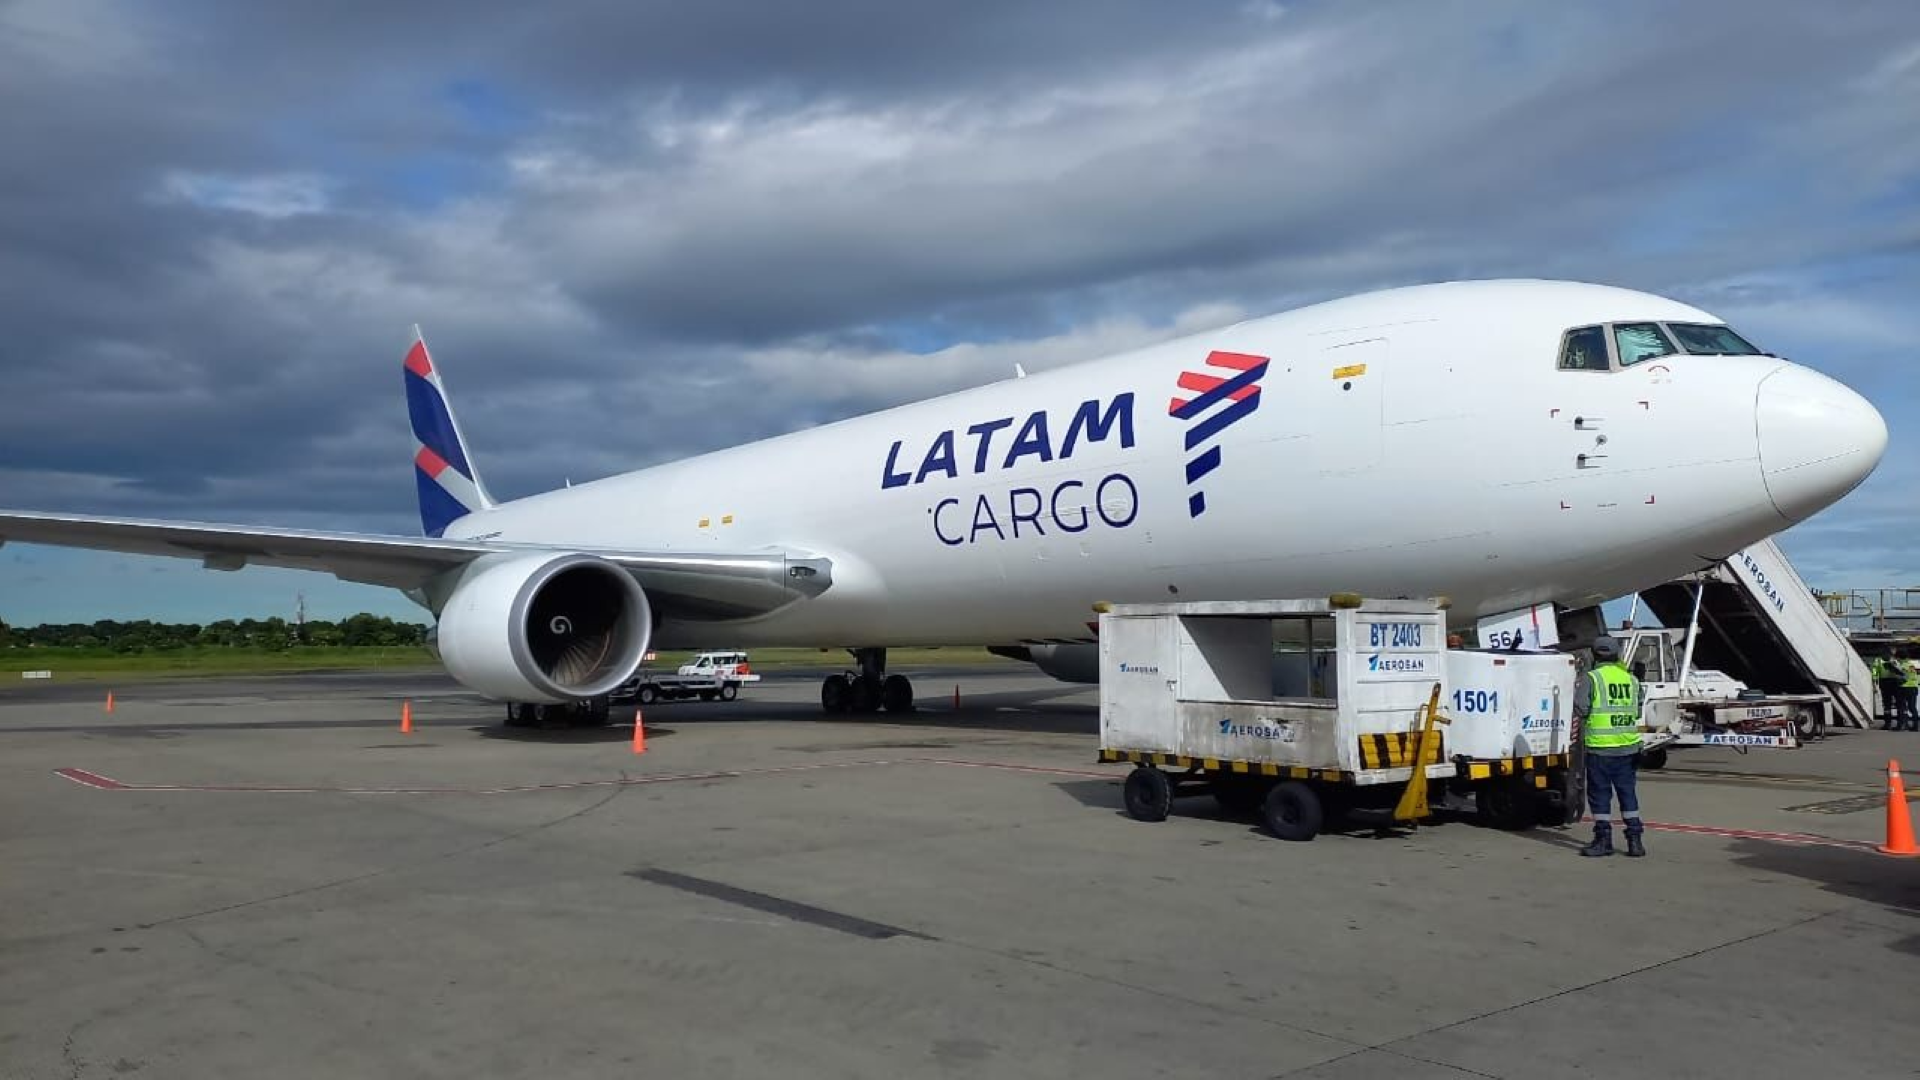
x=896 y=694
x=867 y=689
x=519 y=715
x=836 y=694
x=1148 y=794
x=1292 y=811
x=598 y=712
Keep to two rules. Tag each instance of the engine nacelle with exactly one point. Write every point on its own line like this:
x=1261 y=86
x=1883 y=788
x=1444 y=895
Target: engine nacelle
x=1074 y=663
x=541 y=627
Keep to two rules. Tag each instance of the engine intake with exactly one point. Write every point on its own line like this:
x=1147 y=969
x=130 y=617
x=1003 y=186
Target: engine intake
x=540 y=627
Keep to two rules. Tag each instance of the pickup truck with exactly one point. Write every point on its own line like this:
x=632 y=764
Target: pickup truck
x=709 y=676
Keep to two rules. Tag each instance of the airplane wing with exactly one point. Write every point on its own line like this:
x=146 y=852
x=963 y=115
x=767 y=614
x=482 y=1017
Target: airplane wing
x=688 y=585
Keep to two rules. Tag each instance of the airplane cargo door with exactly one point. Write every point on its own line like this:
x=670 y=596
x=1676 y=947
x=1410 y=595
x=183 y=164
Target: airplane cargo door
x=1344 y=398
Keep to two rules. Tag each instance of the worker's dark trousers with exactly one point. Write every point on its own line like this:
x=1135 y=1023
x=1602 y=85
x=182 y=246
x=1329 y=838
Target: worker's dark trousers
x=1607 y=774
x=1890 y=700
x=1910 y=706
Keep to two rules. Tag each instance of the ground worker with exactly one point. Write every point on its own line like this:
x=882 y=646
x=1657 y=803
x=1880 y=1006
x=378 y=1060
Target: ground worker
x=1910 y=692
x=1609 y=716
x=1887 y=675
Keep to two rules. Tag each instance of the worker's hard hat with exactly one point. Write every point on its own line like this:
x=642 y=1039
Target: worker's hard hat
x=1605 y=648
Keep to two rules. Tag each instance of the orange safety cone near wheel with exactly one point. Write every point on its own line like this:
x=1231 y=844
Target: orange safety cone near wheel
x=1899 y=820
x=639 y=734
x=406 y=718
x=109 y=701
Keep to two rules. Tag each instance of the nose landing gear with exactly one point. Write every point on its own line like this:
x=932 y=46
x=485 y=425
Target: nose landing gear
x=867 y=690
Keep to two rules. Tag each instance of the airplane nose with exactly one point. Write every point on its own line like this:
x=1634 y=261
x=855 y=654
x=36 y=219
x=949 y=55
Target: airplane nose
x=1818 y=439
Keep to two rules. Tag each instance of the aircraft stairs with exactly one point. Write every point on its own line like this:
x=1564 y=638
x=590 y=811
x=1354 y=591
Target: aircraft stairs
x=1761 y=624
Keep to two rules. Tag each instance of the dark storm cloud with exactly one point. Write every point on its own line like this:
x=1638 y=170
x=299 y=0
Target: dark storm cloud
x=590 y=50
x=636 y=231
x=1408 y=127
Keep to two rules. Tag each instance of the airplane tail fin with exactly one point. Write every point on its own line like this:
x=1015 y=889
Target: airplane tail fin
x=450 y=487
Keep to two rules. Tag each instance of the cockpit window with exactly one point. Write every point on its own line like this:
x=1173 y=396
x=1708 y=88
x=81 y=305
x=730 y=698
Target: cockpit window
x=1638 y=341
x=1711 y=340
x=1585 y=349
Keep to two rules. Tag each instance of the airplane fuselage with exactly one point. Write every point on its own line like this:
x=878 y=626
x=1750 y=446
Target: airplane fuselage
x=1416 y=442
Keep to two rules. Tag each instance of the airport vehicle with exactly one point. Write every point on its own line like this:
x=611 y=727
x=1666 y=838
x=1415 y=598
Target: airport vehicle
x=721 y=665
x=1758 y=622
x=711 y=676
x=1310 y=709
x=1501 y=443
x=1690 y=706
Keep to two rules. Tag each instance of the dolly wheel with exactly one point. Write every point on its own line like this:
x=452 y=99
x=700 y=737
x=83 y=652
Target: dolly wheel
x=1238 y=796
x=1149 y=794
x=1654 y=759
x=1508 y=803
x=1293 y=811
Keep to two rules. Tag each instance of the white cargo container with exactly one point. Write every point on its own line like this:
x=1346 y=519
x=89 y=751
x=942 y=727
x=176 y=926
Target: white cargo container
x=1512 y=733
x=1301 y=706
x=1525 y=699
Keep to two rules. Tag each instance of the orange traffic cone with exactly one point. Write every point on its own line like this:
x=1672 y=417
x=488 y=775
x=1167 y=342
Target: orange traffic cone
x=109 y=701
x=1899 y=821
x=406 y=718
x=639 y=734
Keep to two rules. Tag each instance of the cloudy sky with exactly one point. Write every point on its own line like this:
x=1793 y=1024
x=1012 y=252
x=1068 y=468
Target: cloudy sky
x=637 y=230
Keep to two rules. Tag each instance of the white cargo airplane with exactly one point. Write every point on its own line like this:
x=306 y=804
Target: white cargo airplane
x=1503 y=444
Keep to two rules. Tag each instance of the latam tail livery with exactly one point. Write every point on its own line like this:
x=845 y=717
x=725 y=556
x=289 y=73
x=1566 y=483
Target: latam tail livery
x=1501 y=443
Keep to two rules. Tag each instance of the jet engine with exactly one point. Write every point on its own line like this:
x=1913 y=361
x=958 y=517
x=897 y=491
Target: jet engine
x=542 y=627
x=1074 y=663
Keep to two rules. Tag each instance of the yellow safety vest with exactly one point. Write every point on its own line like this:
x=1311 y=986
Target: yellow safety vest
x=1912 y=674
x=1613 y=720
x=1881 y=670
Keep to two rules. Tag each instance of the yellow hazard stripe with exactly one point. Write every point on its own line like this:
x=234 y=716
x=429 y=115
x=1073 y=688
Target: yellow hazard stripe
x=1252 y=768
x=1394 y=749
x=1482 y=770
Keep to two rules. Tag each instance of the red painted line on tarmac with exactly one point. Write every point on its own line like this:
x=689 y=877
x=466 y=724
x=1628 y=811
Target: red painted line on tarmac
x=87 y=778
x=1048 y=770
x=104 y=783
x=90 y=779
x=1758 y=834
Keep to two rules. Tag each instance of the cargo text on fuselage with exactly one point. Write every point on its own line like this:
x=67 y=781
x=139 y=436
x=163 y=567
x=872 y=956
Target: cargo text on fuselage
x=1019 y=511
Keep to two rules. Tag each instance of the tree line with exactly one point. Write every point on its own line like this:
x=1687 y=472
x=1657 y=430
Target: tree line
x=274 y=634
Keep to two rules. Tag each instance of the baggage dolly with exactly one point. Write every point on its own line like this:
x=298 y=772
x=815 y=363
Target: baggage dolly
x=1307 y=709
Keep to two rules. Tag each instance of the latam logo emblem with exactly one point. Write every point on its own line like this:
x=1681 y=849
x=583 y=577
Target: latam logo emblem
x=1218 y=403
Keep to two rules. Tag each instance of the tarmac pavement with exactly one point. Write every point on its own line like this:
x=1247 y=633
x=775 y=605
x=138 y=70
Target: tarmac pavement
x=262 y=876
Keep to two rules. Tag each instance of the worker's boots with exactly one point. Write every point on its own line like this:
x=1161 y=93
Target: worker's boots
x=1602 y=844
x=1635 y=849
